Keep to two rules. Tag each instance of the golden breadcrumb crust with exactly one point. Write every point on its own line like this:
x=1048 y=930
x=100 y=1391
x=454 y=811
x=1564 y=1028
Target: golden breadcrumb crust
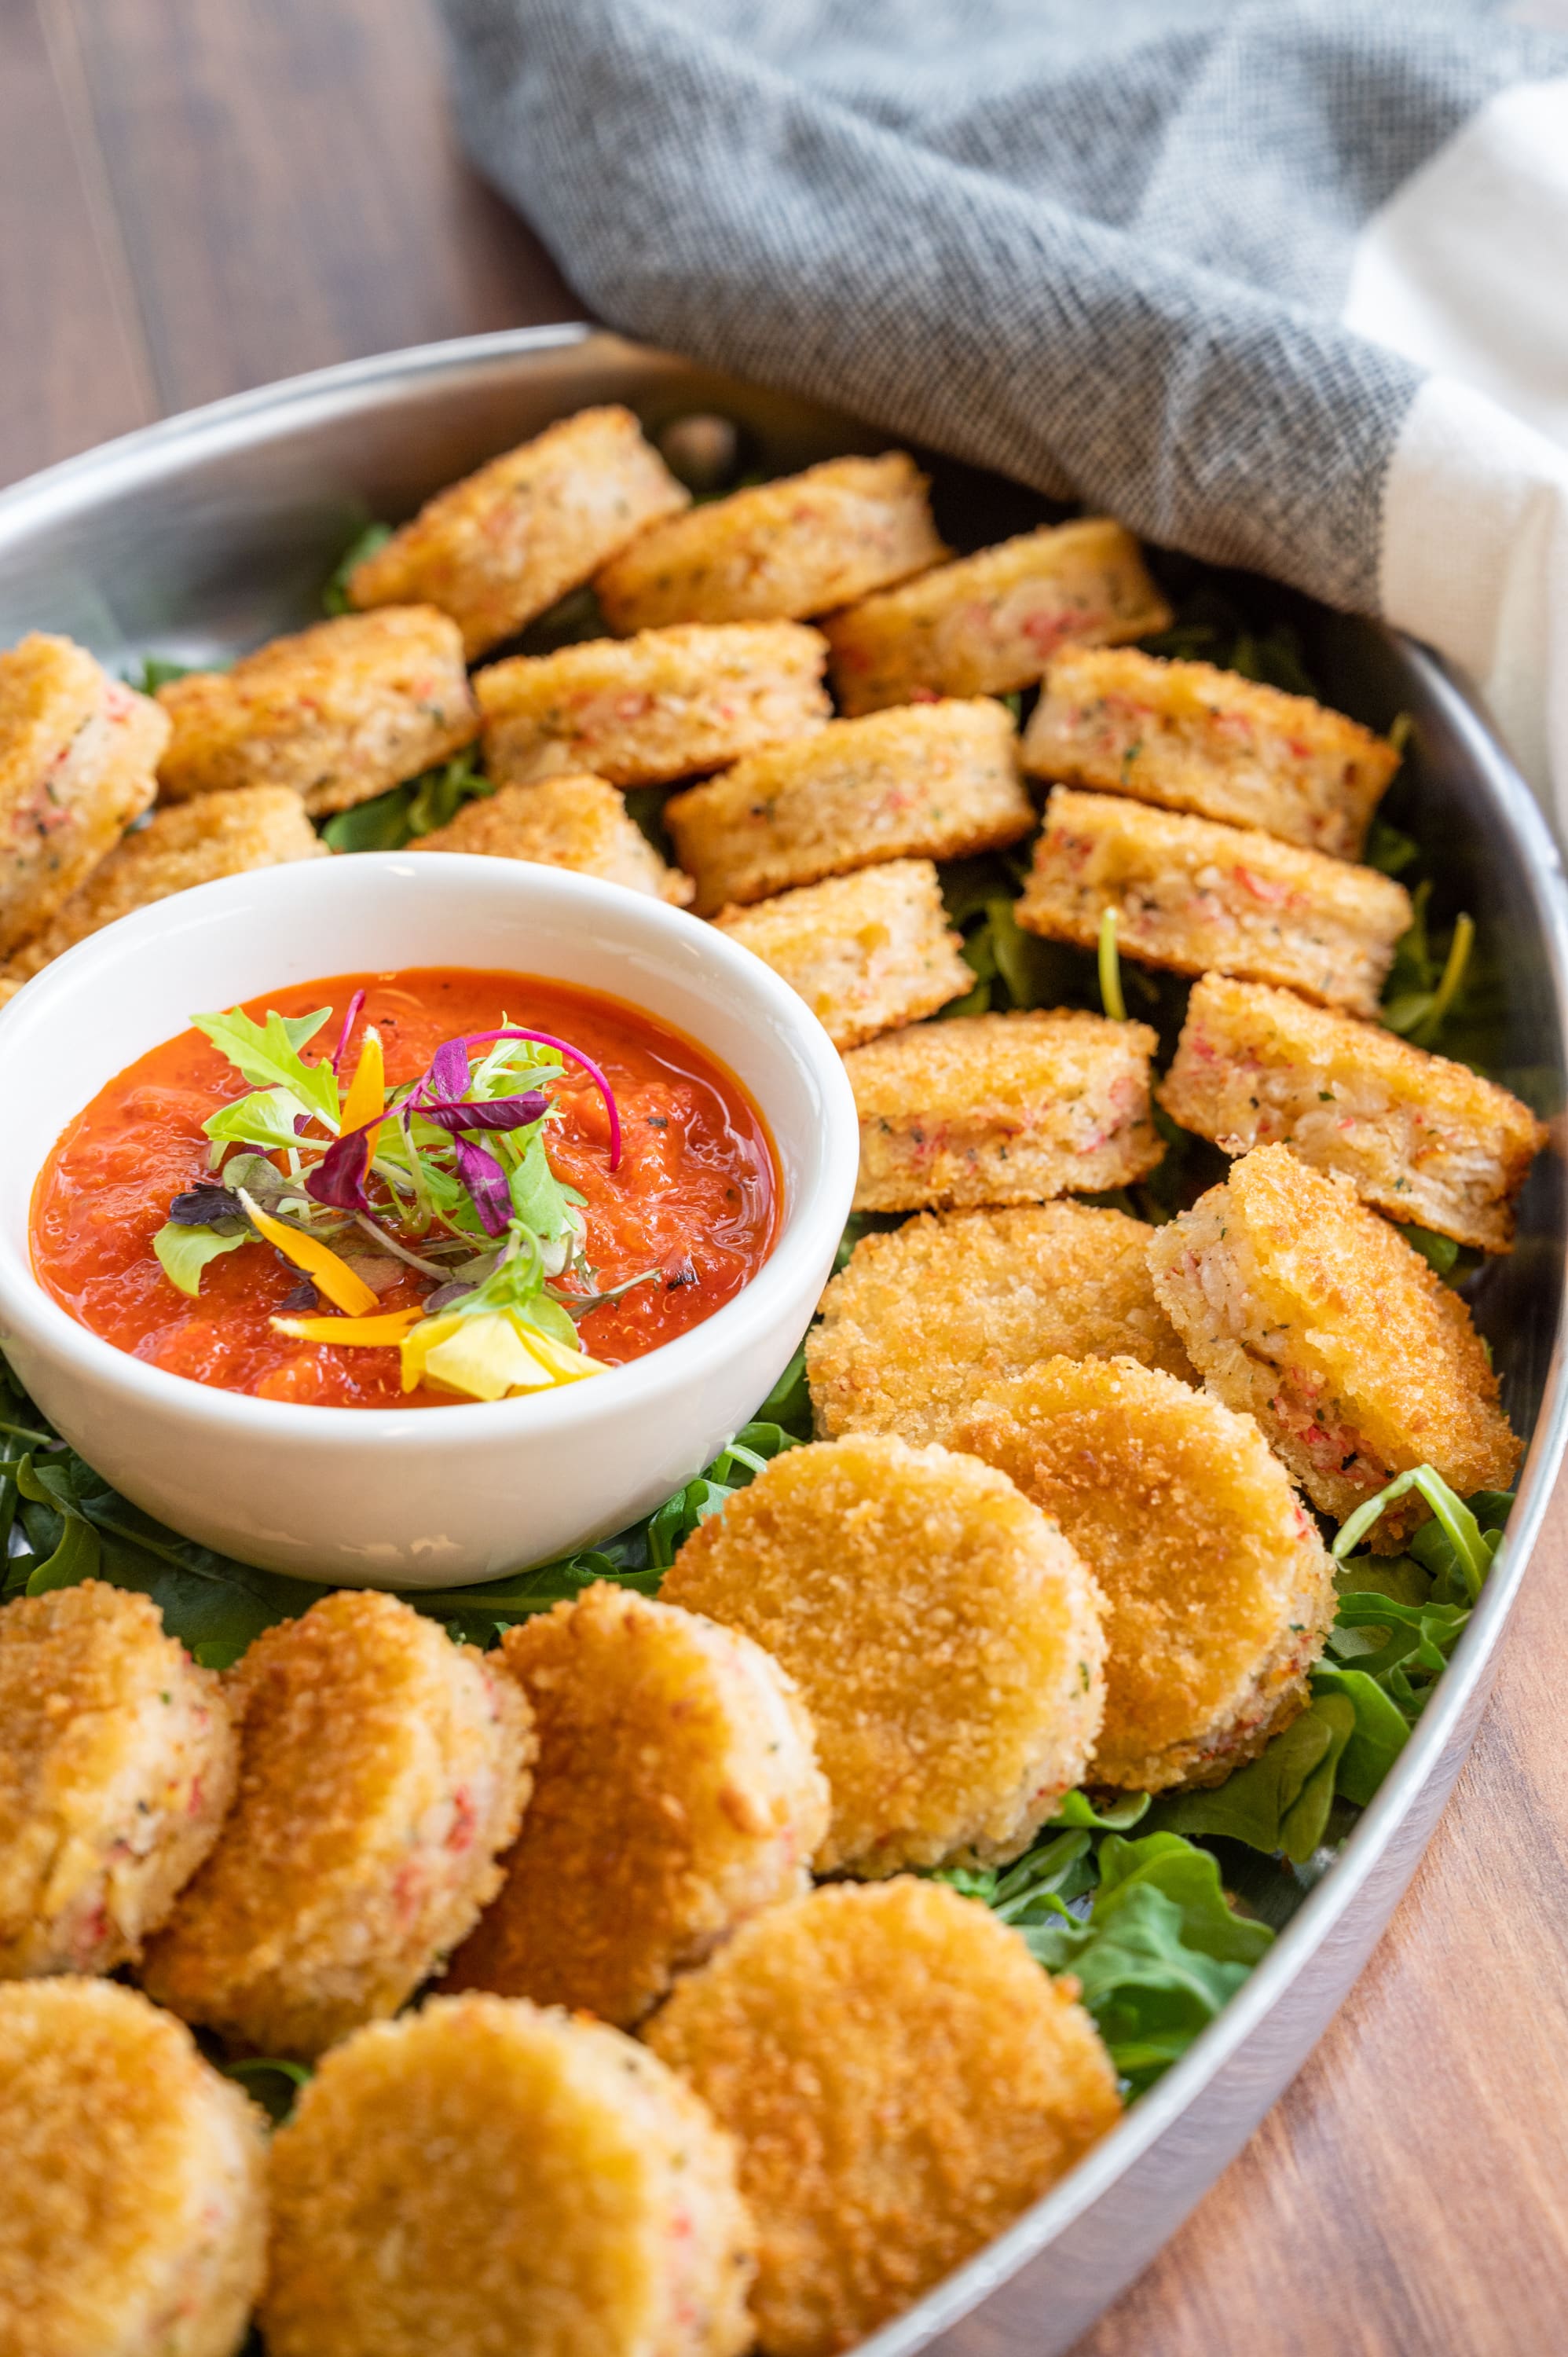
x=1190 y=737
x=943 y=1634
x=577 y=822
x=1303 y=1308
x=497 y=548
x=666 y=704
x=134 y=2217
x=1425 y=1140
x=77 y=757
x=482 y=2179
x=1002 y=1109
x=777 y=551
x=1194 y=896
x=9 y=986
x=868 y=953
x=1219 y=1591
x=382 y=1769
x=903 y=2081
x=676 y=1791
x=340 y=712
x=990 y=623
x=927 y=1317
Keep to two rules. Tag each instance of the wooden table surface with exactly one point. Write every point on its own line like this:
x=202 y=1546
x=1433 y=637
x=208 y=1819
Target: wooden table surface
x=197 y=196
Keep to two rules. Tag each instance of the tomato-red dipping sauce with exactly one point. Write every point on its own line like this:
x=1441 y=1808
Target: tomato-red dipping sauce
x=695 y=1196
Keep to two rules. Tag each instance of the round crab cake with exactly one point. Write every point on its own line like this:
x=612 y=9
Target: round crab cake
x=675 y=1792
x=134 y=2217
x=117 y=1766
x=944 y=1635
x=1219 y=1591
x=382 y=1769
x=903 y=2081
x=483 y=2179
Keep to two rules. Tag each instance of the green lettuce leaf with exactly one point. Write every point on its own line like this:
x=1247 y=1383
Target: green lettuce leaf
x=365 y=543
x=183 y=1253
x=265 y=1118
x=267 y=1055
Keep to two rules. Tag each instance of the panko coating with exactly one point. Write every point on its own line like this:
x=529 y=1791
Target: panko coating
x=382 y=1769
x=117 y=1765
x=135 y=2218
x=943 y=1634
x=676 y=1791
x=1424 y=1139
x=666 y=704
x=927 y=1317
x=903 y=2081
x=1197 y=897
x=9 y=986
x=496 y=549
x=1002 y=1109
x=340 y=712
x=926 y=781
x=1190 y=737
x=987 y=624
x=576 y=823
x=483 y=2179
x=778 y=551
x=79 y=754
x=1219 y=1591
x=868 y=953
x=1302 y=1308
x=188 y=844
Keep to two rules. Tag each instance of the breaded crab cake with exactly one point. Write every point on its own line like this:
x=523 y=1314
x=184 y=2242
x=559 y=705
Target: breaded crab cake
x=117 y=1762
x=579 y=823
x=868 y=953
x=902 y=2080
x=676 y=1791
x=483 y=2179
x=944 y=1635
x=1219 y=1591
x=1306 y=1310
x=382 y=1769
x=135 y=2218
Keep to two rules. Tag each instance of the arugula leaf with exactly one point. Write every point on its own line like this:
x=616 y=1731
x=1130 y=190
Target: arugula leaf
x=267 y=1055
x=184 y=1252
x=1378 y=1733
x=156 y=670
x=280 y=2082
x=1439 y=1252
x=1078 y=1809
x=1388 y=851
x=789 y=1405
x=387 y=822
x=265 y=1118
x=365 y=543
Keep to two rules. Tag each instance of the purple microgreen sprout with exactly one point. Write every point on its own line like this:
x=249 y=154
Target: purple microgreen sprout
x=487 y=1184
x=441 y=1080
x=352 y=1017
x=493 y=1113
x=206 y=1206
x=338 y=1179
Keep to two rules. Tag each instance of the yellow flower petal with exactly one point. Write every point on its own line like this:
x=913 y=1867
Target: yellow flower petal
x=364 y=1333
x=368 y=1090
x=486 y=1358
x=334 y=1277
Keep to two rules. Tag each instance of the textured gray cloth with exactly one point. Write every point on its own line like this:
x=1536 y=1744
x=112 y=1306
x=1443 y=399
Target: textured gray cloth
x=1100 y=244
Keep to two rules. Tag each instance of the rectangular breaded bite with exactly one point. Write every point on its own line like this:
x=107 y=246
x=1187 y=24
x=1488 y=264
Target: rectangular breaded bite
x=77 y=757
x=990 y=623
x=498 y=548
x=868 y=953
x=1197 y=897
x=922 y=782
x=667 y=704
x=1424 y=1139
x=1002 y=1109
x=1302 y=1307
x=1190 y=737
x=779 y=551
x=579 y=822
x=340 y=712
x=927 y=1316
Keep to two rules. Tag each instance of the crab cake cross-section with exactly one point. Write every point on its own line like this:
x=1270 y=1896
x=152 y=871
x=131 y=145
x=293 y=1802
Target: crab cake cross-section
x=943 y=1634
x=383 y=1770
x=496 y=549
x=1196 y=896
x=868 y=953
x=777 y=551
x=1193 y=738
x=78 y=758
x=116 y=1767
x=134 y=2217
x=484 y=2177
x=987 y=624
x=1423 y=1139
x=927 y=780
x=903 y=2081
x=676 y=1792
x=576 y=823
x=927 y=1315
x=1002 y=1109
x=1219 y=1591
x=1302 y=1308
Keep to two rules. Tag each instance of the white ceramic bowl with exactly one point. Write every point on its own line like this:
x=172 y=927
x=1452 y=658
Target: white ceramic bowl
x=383 y=1497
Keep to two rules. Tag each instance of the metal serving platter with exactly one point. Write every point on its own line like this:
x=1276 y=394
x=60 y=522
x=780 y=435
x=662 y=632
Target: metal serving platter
x=207 y=533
